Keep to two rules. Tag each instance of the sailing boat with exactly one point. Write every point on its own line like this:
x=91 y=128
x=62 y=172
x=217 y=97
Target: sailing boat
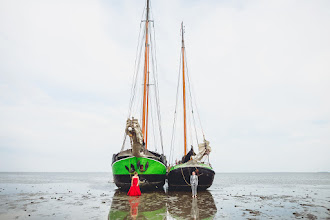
x=179 y=174
x=150 y=165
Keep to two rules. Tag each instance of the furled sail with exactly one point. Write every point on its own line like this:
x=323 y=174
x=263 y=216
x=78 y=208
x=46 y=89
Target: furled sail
x=204 y=149
x=133 y=130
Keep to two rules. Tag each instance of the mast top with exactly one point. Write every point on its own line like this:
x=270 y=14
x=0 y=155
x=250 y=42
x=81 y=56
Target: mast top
x=182 y=32
x=147 y=16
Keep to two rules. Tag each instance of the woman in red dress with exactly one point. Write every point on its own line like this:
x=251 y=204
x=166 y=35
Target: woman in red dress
x=135 y=189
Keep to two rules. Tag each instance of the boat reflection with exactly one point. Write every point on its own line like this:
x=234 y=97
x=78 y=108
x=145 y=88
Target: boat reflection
x=182 y=206
x=161 y=205
x=147 y=206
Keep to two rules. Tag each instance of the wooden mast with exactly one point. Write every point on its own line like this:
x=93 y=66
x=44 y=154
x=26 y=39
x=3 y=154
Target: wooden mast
x=147 y=113
x=184 y=93
x=146 y=82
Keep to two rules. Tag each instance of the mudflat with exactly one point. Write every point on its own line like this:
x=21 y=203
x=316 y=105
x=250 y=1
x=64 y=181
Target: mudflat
x=232 y=196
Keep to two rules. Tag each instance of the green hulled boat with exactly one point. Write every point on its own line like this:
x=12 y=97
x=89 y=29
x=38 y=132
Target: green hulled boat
x=179 y=173
x=149 y=164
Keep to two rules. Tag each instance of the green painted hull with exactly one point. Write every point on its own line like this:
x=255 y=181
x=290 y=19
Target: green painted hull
x=152 y=178
x=155 y=167
x=187 y=165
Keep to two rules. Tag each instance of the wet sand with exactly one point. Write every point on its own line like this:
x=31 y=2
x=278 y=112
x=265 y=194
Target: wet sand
x=232 y=196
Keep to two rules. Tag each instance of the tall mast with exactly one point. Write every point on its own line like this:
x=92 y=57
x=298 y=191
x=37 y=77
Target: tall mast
x=184 y=92
x=146 y=82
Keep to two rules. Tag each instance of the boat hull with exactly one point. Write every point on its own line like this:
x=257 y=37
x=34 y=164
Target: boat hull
x=179 y=176
x=152 y=178
x=152 y=182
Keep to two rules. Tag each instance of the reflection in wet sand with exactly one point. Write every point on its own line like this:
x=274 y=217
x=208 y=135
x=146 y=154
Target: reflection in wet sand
x=41 y=196
x=159 y=205
x=182 y=206
x=194 y=209
x=148 y=206
x=134 y=203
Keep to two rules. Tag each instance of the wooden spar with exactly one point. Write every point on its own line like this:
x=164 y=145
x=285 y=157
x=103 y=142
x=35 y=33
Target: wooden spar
x=146 y=128
x=184 y=94
x=146 y=80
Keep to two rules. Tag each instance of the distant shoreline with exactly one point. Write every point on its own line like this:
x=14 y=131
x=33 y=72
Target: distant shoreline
x=215 y=172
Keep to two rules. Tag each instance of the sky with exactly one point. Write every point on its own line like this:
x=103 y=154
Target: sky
x=260 y=71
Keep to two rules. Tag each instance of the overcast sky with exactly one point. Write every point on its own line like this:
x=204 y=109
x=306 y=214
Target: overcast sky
x=260 y=70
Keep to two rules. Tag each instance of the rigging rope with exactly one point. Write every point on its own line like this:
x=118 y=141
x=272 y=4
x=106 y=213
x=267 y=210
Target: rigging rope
x=184 y=177
x=199 y=119
x=155 y=75
x=136 y=89
x=190 y=127
x=136 y=66
x=134 y=82
x=122 y=147
x=191 y=103
x=175 y=111
x=153 y=127
x=136 y=74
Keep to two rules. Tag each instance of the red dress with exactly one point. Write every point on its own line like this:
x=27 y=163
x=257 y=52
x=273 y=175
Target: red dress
x=135 y=189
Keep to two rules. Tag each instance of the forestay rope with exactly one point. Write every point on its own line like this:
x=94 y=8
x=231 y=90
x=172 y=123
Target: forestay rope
x=175 y=111
x=137 y=105
x=191 y=103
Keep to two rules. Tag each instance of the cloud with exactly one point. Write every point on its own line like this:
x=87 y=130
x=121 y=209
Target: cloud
x=260 y=73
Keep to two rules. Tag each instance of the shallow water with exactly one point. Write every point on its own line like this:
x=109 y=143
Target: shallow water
x=232 y=196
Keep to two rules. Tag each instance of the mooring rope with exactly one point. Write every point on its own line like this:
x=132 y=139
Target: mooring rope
x=184 y=177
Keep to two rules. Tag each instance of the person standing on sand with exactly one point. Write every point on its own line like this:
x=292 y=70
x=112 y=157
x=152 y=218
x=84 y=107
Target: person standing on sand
x=135 y=189
x=194 y=184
